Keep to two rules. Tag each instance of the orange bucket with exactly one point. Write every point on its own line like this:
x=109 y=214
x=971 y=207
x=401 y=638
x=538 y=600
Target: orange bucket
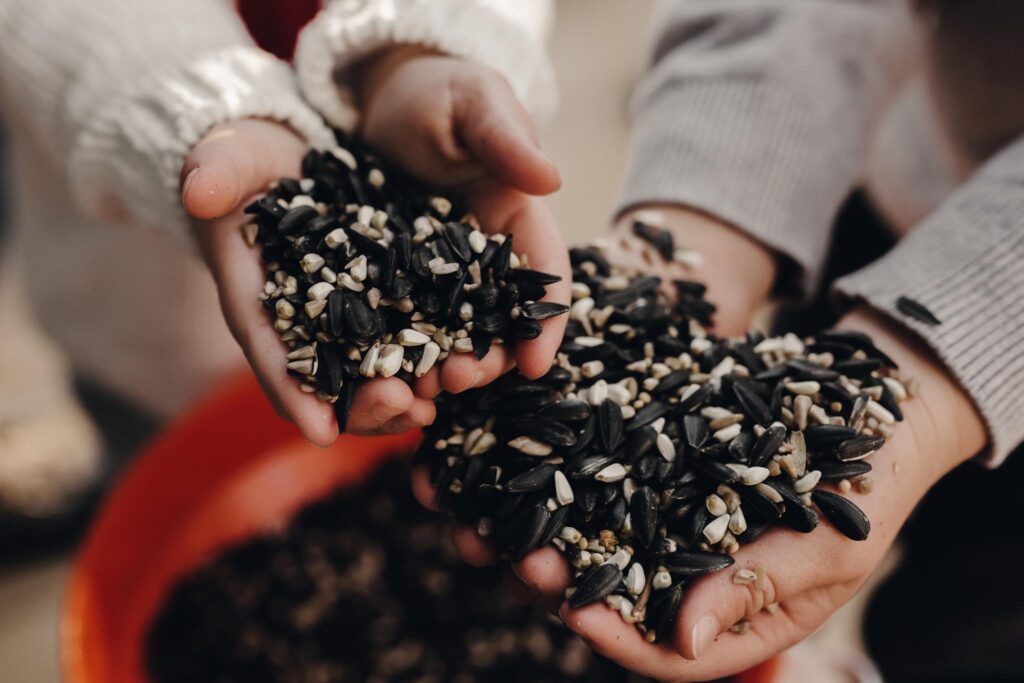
x=230 y=468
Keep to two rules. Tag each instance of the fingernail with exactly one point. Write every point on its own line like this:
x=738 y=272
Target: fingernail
x=704 y=632
x=188 y=180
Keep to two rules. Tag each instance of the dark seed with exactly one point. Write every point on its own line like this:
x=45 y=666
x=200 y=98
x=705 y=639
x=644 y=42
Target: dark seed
x=532 y=480
x=597 y=584
x=544 y=310
x=296 y=219
x=834 y=471
x=662 y=611
x=859 y=447
x=548 y=431
x=526 y=531
x=648 y=414
x=849 y=519
x=643 y=509
x=767 y=445
x=916 y=310
x=559 y=518
x=591 y=465
x=570 y=410
x=689 y=563
x=696 y=428
x=609 y=418
x=753 y=404
x=639 y=443
x=799 y=518
x=826 y=437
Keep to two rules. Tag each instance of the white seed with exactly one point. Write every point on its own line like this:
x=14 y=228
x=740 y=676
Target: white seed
x=304 y=365
x=611 y=473
x=375 y=177
x=807 y=482
x=661 y=580
x=482 y=444
x=431 y=352
x=250 y=231
x=725 y=421
x=335 y=238
x=284 y=309
x=441 y=205
x=620 y=558
x=729 y=433
x=597 y=393
x=464 y=345
x=769 y=493
x=302 y=352
x=628 y=489
x=563 y=490
x=665 y=447
x=368 y=366
x=570 y=535
x=752 y=476
x=808 y=387
x=477 y=241
x=348 y=282
x=311 y=263
x=315 y=308
x=737 y=521
x=411 y=337
x=880 y=413
x=687 y=258
x=715 y=531
x=715 y=505
x=390 y=361
x=592 y=368
x=344 y=156
x=896 y=388
x=635 y=579
x=319 y=291
x=525 y=444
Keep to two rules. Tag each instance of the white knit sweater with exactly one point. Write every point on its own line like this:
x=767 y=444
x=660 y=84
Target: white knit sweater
x=104 y=98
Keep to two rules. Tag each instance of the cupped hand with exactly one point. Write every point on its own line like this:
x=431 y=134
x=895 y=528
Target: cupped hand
x=457 y=125
x=231 y=165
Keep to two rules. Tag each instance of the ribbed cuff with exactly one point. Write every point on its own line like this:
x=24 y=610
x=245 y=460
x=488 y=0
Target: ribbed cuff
x=752 y=154
x=345 y=32
x=135 y=145
x=966 y=265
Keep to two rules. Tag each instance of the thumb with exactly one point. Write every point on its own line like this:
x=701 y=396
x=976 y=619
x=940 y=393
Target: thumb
x=493 y=126
x=234 y=162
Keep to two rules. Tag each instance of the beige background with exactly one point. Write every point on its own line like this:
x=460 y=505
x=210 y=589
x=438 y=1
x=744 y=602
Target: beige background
x=597 y=48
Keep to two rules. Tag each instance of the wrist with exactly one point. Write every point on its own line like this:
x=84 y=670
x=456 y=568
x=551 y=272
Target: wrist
x=738 y=270
x=946 y=425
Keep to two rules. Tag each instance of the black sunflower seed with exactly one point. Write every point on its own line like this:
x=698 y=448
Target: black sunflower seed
x=544 y=310
x=548 y=431
x=295 y=219
x=690 y=563
x=760 y=503
x=609 y=418
x=659 y=238
x=753 y=404
x=671 y=382
x=643 y=509
x=662 y=611
x=648 y=414
x=859 y=447
x=916 y=310
x=590 y=465
x=531 y=480
x=696 y=428
x=834 y=471
x=639 y=443
x=799 y=518
x=827 y=437
x=767 y=445
x=569 y=410
x=526 y=531
x=849 y=519
x=740 y=447
x=343 y=405
x=558 y=520
x=597 y=584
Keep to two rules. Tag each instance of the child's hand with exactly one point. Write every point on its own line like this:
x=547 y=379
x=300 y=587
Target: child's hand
x=809 y=576
x=458 y=125
x=223 y=172
x=739 y=271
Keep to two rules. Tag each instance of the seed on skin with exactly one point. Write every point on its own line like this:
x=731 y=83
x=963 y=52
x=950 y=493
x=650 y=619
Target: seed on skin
x=611 y=473
x=464 y=345
x=715 y=531
x=807 y=388
x=865 y=484
x=772 y=608
x=740 y=628
x=744 y=577
x=761 y=578
x=525 y=444
x=563 y=490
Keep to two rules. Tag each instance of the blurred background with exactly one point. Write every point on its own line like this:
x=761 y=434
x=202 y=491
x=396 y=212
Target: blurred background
x=598 y=50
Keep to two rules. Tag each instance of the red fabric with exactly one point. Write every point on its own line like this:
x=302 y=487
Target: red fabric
x=275 y=24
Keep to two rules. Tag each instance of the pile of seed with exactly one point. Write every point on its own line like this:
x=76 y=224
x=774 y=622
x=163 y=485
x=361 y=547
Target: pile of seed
x=370 y=275
x=652 y=450
x=360 y=588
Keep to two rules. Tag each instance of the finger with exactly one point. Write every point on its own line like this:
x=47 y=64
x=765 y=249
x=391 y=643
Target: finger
x=545 y=572
x=462 y=371
x=535 y=233
x=376 y=402
x=236 y=268
x=429 y=385
x=234 y=162
x=420 y=414
x=497 y=131
x=422 y=489
x=472 y=548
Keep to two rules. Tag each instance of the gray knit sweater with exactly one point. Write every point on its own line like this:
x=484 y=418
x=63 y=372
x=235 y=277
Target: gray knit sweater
x=764 y=112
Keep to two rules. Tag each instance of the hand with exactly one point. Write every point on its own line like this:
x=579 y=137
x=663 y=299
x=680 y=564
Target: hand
x=233 y=163
x=809 y=576
x=739 y=271
x=458 y=125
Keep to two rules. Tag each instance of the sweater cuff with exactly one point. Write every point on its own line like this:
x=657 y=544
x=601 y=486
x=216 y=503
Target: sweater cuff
x=752 y=154
x=346 y=32
x=126 y=162
x=966 y=265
